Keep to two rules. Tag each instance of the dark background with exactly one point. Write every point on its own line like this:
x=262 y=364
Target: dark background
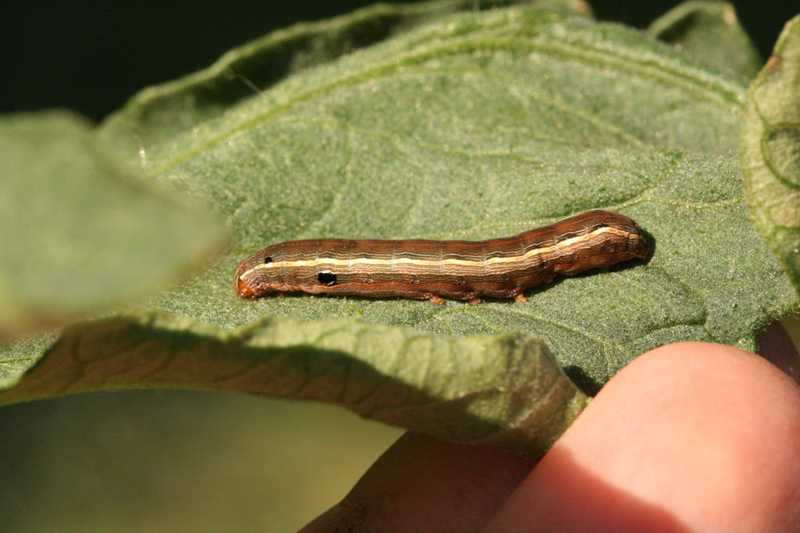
x=180 y=461
x=91 y=57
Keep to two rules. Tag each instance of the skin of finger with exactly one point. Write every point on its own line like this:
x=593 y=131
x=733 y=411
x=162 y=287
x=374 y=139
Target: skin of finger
x=688 y=437
x=421 y=484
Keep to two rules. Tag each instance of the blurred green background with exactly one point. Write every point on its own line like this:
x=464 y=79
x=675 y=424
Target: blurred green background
x=185 y=461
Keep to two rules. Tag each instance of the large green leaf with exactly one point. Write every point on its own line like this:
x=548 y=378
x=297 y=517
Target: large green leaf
x=80 y=232
x=709 y=31
x=771 y=150
x=174 y=108
x=500 y=390
x=478 y=125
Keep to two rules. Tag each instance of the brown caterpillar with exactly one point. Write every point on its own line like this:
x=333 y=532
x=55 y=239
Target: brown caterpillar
x=433 y=270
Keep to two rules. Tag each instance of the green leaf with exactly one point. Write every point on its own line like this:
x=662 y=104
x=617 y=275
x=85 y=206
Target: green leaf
x=501 y=390
x=80 y=233
x=709 y=31
x=771 y=151
x=475 y=126
x=175 y=108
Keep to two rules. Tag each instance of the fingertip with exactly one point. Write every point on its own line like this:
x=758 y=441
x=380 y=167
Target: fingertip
x=690 y=435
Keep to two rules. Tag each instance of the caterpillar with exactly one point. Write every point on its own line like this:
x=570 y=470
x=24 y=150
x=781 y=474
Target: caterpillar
x=432 y=270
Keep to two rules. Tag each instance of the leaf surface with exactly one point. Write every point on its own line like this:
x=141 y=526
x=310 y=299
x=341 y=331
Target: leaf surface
x=475 y=126
x=709 y=31
x=172 y=109
x=494 y=390
x=80 y=232
x=771 y=150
